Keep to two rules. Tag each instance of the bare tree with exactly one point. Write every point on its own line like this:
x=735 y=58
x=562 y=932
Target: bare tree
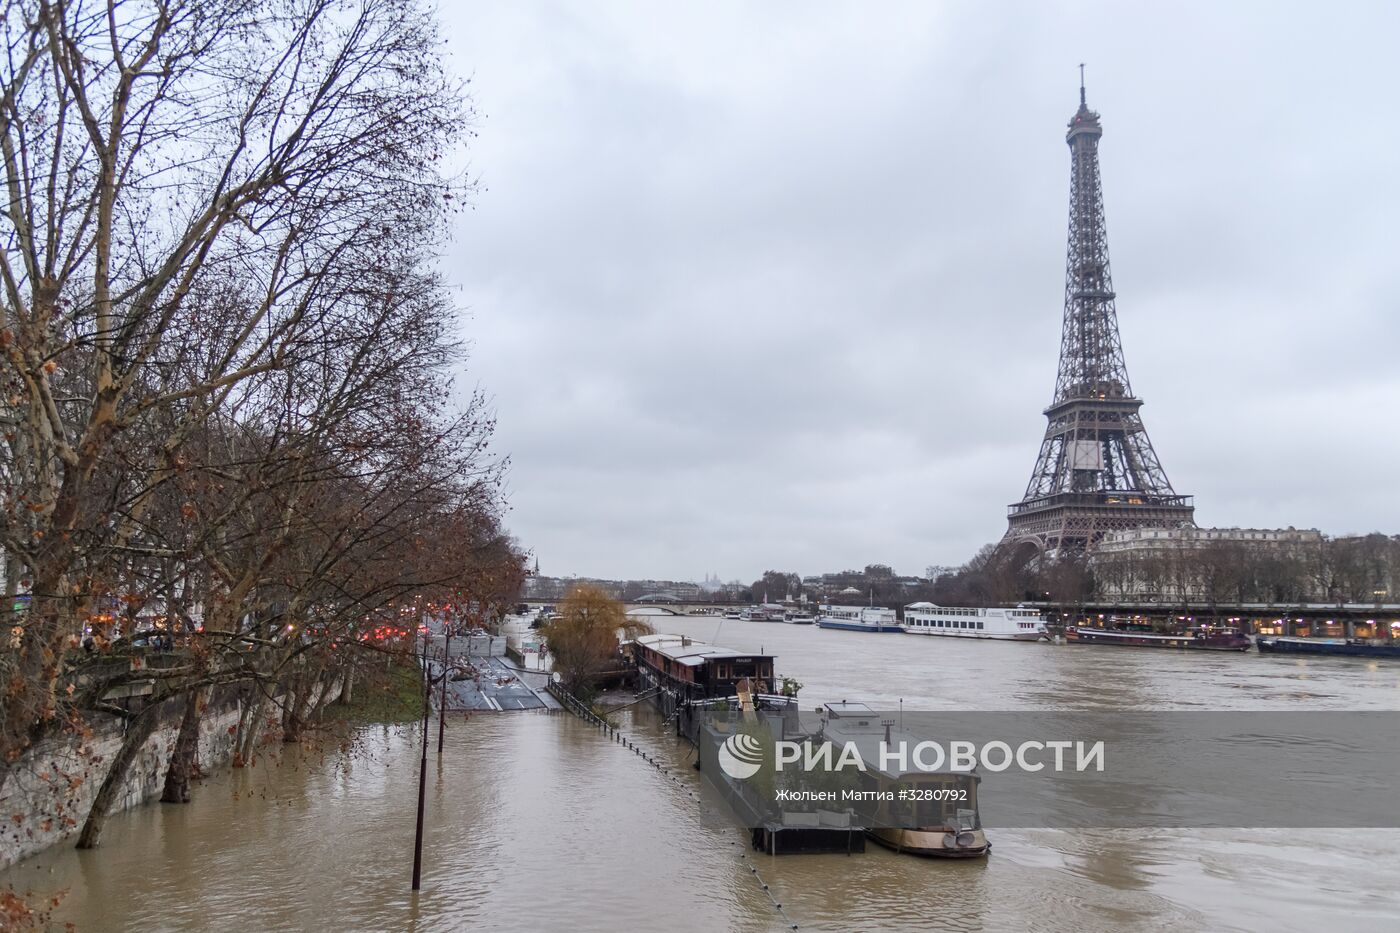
x=190 y=188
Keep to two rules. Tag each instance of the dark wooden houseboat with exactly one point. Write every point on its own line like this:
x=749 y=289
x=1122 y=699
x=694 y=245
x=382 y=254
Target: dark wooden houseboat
x=679 y=670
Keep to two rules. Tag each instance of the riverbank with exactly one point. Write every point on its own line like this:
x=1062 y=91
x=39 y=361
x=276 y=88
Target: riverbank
x=49 y=792
x=392 y=696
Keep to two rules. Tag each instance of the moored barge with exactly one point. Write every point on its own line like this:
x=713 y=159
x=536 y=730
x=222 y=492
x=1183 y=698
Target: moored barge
x=694 y=684
x=1335 y=647
x=859 y=619
x=929 y=813
x=680 y=670
x=1197 y=640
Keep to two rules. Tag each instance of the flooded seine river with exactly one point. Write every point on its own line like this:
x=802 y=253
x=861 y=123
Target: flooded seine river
x=537 y=822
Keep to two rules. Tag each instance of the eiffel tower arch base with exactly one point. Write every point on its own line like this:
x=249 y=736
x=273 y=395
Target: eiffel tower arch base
x=1076 y=522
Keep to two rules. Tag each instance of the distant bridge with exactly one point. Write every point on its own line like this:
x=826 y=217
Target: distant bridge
x=678 y=608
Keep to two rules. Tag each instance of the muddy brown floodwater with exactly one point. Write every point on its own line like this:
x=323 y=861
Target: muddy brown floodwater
x=536 y=822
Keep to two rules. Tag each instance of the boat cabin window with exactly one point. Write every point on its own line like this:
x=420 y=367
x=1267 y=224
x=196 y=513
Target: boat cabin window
x=955 y=814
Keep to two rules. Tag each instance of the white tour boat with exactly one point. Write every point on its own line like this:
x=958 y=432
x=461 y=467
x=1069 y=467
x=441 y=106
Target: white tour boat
x=859 y=618
x=1002 y=624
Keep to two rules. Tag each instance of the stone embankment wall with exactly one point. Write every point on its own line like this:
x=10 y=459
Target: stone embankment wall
x=47 y=794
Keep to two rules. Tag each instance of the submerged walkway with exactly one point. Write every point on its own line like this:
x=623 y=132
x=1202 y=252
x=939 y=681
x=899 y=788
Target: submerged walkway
x=494 y=684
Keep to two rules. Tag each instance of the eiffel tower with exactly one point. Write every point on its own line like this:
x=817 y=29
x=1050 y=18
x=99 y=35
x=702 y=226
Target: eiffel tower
x=1097 y=471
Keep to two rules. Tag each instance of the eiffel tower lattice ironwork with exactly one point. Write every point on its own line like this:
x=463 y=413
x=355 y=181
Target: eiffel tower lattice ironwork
x=1097 y=471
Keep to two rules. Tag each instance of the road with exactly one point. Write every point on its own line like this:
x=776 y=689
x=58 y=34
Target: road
x=494 y=684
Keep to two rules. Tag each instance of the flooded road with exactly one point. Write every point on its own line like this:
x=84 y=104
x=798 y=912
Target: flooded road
x=536 y=822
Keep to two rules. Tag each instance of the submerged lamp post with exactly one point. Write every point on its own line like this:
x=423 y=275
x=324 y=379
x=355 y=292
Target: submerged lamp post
x=423 y=769
x=442 y=697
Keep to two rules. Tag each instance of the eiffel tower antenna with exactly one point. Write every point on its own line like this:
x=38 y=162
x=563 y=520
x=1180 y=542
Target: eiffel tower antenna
x=1097 y=471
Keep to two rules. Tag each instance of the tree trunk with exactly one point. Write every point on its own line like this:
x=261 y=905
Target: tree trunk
x=138 y=731
x=248 y=731
x=29 y=704
x=320 y=697
x=184 y=757
x=346 y=687
x=294 y=713
x=291 y=728
x=290 y=732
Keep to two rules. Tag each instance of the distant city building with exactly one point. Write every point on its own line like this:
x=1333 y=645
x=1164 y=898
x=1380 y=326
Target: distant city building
x=1155 y=539
x=1146 y=564
x=552 y=589
x=655 y=591
x=711 y=583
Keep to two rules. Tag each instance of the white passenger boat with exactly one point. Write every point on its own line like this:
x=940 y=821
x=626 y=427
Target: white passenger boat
x=859 y=618
x=1001 y=624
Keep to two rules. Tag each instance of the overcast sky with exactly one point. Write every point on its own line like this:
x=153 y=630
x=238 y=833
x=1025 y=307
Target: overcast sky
x=779 y=285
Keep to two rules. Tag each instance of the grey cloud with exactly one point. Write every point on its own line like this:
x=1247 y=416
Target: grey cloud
x=780 y=285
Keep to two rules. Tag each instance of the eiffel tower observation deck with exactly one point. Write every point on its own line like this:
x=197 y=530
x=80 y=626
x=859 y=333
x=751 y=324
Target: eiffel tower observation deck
x=1097 y=471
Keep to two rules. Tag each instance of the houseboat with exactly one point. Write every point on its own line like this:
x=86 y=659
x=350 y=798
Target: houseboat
x=802 y=618
x=1336 y=647
x=1000 y=624
x=1201 y=640
x=929 y=813
x=859 y=618
x=680 y=670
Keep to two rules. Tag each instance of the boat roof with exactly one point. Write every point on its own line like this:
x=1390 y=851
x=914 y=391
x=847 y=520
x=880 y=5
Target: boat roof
x=688 y=651
x=928 y=605
x=855 y=608
x=868 y=736
x=845 y=707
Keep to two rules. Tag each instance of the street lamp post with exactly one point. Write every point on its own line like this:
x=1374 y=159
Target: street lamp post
x=442 y=698
x=422 y=771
